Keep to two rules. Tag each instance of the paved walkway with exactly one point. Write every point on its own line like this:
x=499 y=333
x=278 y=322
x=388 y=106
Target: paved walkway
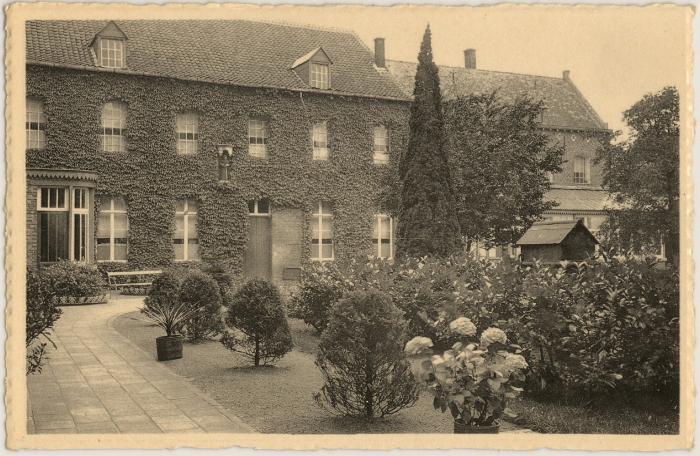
x=96 y=381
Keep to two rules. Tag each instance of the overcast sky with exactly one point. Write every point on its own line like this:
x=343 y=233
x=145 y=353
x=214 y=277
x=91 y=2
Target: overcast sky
x=615 y=54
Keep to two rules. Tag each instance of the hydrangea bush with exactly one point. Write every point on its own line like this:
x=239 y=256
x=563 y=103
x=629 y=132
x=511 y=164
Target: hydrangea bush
x=473 y=381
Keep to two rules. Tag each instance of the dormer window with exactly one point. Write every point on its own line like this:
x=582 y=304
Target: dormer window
x=109 y=47
x=314 y=69
x=111 y=53
x=320 y=77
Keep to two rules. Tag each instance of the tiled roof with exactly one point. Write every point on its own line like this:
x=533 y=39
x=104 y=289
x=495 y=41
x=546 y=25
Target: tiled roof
x=579 y=199
x=565 y=106
x=252 y=54
x=549 y=233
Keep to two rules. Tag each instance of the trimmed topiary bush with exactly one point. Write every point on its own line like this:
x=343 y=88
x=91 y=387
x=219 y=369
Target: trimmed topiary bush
x=320 y=287
x=165 y=290
x=222 y=277
x=259 y=327
x=200 y=293
x=71 y=281
x=42 y=314
x=361 y=357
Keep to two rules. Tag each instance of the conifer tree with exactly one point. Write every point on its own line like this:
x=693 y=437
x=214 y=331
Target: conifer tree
x=428 y=222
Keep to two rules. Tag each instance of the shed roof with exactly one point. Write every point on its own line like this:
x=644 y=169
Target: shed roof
x=566 y=107
x=236 y=52
x=551 y=233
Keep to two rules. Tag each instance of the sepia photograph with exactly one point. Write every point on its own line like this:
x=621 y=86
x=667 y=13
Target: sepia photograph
x=354 y=221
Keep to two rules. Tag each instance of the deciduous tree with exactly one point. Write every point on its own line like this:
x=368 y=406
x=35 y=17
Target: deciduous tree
x=500 y=157
x=642 y=175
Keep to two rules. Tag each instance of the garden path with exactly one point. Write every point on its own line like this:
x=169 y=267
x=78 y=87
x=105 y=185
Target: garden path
x=97 y=381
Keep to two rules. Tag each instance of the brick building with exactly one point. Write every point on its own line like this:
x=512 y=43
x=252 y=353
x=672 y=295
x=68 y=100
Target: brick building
x=258 y=146
x=255 y=145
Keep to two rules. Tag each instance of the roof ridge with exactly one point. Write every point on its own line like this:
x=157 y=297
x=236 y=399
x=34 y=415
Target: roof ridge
x=558 y=78
x=304 y=26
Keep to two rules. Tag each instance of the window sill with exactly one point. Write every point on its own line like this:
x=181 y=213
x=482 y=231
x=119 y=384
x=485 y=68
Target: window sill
x=111 y=261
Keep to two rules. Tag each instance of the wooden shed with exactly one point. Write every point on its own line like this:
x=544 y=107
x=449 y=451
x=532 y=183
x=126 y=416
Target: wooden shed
x=552 y=242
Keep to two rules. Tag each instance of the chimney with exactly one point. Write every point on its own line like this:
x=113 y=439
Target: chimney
x=470 y=59
x=379 y=58
x=565 y=75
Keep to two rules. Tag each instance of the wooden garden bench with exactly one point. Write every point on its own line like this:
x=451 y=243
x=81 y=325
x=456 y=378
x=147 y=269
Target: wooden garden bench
x=124 y=279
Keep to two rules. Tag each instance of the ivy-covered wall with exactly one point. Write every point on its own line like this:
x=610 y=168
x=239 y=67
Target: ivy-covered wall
x=151 y=176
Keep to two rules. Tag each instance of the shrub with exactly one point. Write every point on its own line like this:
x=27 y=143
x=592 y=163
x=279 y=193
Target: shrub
x=474 y=381
x=42 y=314
x=321 y=285
x=257 y=313
x=223 y=279
x=164 y=291
x=69 y=279
x=201 y=293
x=361 y=358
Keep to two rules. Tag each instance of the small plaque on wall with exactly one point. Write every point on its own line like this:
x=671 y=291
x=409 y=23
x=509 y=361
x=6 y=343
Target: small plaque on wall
x=291 y=273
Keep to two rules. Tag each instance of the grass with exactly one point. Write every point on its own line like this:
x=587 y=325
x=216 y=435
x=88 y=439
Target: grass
x=612 y=417
x=279 y=399
x=276 y=399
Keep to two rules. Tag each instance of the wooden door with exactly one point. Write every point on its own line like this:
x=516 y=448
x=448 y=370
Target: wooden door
x=258 y=257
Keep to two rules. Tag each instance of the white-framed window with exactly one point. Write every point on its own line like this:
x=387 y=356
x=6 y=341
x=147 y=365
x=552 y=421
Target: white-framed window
x=320 y=77
x=381 y=145
x=257 y=138
x=186 y=241
x=383 y=236
x=113 y=127
x=319 y=138
x=322 y=233
x=187 y=127
x=582 y=170
x=259 y=207
x=35 y=124
x=64 y=223
x=111 y=53
x=112 y=230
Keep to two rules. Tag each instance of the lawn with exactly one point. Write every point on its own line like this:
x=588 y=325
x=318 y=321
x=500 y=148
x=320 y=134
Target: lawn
x=276 y=399
x=279 y=399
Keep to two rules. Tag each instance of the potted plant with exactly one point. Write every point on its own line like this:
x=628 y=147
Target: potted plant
x=171 y=317
x=474 y=381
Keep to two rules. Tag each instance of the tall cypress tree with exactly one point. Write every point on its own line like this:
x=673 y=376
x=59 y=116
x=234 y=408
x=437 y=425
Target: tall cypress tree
x=428 y=223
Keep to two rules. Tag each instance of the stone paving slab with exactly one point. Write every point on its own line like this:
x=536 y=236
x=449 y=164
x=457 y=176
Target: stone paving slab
x=97 y=381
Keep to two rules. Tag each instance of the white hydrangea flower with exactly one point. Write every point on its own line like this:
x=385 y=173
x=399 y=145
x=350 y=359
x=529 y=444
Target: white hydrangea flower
x=418 y=345
x=515 y=362
x=492 y=335
x=463 y=326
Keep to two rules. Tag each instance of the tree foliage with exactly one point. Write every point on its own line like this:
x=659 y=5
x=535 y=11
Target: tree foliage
x=42 y=314
x=256 y=312
x=361 y=357
x=642 y=175
x=200 y=293
x=427 y=220
x=499 y=158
